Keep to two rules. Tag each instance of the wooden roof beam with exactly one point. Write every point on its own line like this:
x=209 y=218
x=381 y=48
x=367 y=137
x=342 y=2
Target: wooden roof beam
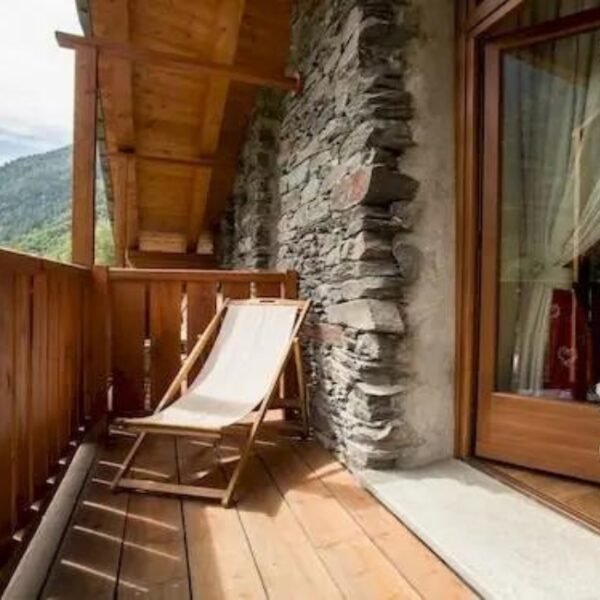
x=116 y=89
x=178 y=62
x=198 y=161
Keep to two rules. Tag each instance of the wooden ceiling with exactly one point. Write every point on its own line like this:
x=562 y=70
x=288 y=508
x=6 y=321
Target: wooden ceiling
x=174 y=120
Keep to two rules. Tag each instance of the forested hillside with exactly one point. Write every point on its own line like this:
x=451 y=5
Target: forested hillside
x=35 y=207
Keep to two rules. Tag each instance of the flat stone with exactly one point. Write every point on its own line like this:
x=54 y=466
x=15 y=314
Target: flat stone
x=408 y=258
x=367 y=245
x=372 y=287
x=377 y=185
x=367 y=315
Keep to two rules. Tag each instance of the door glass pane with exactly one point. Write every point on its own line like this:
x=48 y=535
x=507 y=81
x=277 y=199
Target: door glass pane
x=549 y=268
x=533 y=12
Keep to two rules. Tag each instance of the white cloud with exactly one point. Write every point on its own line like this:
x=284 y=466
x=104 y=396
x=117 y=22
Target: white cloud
x=36 y=76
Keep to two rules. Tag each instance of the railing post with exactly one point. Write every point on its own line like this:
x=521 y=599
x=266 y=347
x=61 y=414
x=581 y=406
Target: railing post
x=83 y=217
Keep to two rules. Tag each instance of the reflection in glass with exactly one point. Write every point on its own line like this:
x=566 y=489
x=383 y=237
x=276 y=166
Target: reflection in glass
x=549 y=270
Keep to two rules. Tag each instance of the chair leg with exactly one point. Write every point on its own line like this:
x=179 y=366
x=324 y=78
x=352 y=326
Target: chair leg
x=302 y=395
x=234 y=480
x=128 y=460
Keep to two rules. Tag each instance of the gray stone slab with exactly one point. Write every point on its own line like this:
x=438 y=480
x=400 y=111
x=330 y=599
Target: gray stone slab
x=504 y=544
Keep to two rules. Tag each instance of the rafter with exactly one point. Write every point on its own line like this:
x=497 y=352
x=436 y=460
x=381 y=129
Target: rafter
x=118 y=104
x=169 y=60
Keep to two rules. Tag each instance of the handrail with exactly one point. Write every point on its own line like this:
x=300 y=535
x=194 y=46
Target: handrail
x=21 y=262
x=118 y=274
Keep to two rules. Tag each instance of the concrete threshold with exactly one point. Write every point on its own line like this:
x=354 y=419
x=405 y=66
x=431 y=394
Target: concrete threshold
x=502 y=543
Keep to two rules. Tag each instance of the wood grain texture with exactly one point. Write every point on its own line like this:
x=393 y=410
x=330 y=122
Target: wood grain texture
x=128 y=326
x=165 y=336
x=274 y=543
x=353 y=560
x=88 y=558
x=182 y=98
x=420 y=566
x=23 y=415
x=154 y=561
x=7 y=416
x=39 y=374
x=538 y=432
x=201 y=308
x=575 y=498
x=84 y=157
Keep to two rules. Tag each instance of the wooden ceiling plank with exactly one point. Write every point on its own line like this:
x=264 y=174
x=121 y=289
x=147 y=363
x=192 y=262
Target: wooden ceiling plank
x=169 y=60
x=228 y=27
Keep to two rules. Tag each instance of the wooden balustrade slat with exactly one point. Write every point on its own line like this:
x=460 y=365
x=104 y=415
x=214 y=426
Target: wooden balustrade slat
x=268 y=289
x=39 y=376
x=53 y=383
x=165 y=336
x=96 y=336
x=23 y=393
x=128 y=310
x=236 y=290
x=7 y=486
x=201 y=308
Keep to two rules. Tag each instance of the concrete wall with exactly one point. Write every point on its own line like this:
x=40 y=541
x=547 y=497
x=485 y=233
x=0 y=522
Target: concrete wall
x=351 y=184
x=430 y=302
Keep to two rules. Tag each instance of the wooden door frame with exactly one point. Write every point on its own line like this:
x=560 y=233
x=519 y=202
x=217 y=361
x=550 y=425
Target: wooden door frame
x=474 y=26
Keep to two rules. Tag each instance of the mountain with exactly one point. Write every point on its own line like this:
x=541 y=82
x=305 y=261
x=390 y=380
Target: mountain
x=35 y=207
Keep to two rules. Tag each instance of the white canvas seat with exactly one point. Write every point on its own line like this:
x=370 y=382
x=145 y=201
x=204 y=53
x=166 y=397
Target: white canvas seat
x=255 y=340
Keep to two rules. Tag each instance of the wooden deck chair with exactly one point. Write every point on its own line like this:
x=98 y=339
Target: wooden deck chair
x=253 y=342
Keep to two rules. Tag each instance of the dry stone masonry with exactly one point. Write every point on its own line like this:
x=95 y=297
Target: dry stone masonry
x=322 y=190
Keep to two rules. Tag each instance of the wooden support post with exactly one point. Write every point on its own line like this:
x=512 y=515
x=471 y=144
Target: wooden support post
x=83 y=218
x=121 y=197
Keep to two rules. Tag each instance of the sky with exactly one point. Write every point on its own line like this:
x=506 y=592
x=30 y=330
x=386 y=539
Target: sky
x=36 y=76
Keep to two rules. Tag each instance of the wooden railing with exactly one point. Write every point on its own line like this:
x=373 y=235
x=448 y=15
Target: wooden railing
x=76 y=343
x=156 y=317
x=42 y=377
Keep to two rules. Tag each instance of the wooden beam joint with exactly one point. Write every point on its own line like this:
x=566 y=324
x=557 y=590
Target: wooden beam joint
x=169 y=60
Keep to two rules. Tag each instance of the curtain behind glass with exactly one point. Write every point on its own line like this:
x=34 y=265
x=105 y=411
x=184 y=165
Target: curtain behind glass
x=551 y=193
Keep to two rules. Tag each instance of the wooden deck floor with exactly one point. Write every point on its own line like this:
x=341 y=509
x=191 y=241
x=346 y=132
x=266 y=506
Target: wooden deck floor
x=302 y=529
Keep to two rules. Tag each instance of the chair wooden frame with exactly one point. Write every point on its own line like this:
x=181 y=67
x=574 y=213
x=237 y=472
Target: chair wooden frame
x=251 y=431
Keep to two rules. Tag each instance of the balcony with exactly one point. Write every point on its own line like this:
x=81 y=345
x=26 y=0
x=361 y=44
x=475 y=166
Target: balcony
x=86 y=344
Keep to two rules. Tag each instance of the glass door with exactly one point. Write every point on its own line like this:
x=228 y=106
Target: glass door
x=539 y=381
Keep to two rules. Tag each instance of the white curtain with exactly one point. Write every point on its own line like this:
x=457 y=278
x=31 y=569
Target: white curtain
x=551 y=185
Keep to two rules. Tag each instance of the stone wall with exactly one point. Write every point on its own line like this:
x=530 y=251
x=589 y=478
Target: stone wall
x=350 y=183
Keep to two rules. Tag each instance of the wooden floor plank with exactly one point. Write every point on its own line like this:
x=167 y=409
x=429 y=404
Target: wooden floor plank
x=302 y=529
x=221 y=563
x=89 y=555
x=356 y=564
x=289 y=565
x=417 y=563
x=154 y=563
